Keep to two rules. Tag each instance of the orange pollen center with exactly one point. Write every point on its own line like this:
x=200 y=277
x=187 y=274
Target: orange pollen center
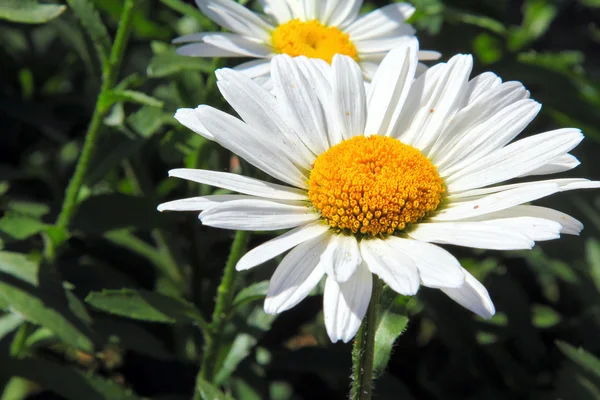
x=313 y=40
x=374 y=186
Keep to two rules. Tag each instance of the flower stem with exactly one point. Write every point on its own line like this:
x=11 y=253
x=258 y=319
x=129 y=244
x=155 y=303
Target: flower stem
x=109 y=75
x=225 y=295
x=364 y=346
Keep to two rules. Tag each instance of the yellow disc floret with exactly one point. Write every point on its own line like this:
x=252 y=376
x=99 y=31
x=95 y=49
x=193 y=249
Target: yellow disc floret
x=374 y=186
x=312 y=39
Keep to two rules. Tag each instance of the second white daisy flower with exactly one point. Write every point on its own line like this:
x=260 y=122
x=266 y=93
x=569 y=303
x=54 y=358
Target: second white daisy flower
x=373 y=180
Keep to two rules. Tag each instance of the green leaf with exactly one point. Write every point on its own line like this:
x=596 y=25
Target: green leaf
x=256 y=291
x=20 y=226
x=28 y=208
x=189 y=10
x=392 y=323
x=579 y=356
x=129 y=96
x=474 y=19
x=38 y=296
x=208 y=391
x=544 y=316
x=91 y=21
x=145 y=306
x=592 y=248
x=169 y=63
x=487 y=48
x=8 y=323
x=240 y=349
x=149 y=120
x=29 y=11
x=70 y=383
x=538 y=15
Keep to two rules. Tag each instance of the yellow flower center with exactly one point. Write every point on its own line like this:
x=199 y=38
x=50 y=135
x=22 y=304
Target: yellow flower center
x=312 y=39
x=374 y=186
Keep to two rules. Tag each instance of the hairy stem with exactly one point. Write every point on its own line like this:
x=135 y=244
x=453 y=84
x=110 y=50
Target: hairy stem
x=364 y=346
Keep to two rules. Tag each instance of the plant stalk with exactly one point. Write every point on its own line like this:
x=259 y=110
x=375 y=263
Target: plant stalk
x=364 y=348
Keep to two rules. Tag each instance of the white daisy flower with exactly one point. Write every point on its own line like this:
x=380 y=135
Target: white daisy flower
x=374 y=181
x=311 y=28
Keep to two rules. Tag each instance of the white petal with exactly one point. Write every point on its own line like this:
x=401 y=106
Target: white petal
x=563 y=163
x=240 y=184
x=236 y=18
x=238 y=44
x=257 y=215
x=253 y=146
x=345 y=13
x=254 y=68
x=471 y=234
x=473 y=296
x=349 y=96
x=437 y=268
x=191 y=38
x=281 y=244
x=258 y=108
x=298 y=274
x=536 y=229
x=480 y=85
x=299 y=103
x=429 y=55
x=341 y=258
x=515 y=159
x=206 y=50
x=497 y=201
x=390 y=87
x=199 y=203
x=400 y=273
x=278 y=9
x=564 y=184
x=437 y=95
x=393 y=39
x=345 y=304
x=188 y=117
x=380 y=22
x=569 y=225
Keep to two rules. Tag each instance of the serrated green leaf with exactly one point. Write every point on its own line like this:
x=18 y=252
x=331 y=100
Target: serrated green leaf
x=29 y=11
x=145 y=306
x=129 y=96
x=579 y=356
x=256 y=291
x=21 y=227
x=169 y=63
x=92 y=23
x=391 y=324
x=208 y=391
x=67 y=382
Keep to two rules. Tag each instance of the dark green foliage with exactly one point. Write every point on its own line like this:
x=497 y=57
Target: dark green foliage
x=124 y=309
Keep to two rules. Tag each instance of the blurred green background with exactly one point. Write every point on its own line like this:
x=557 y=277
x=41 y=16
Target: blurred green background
x=117 y=315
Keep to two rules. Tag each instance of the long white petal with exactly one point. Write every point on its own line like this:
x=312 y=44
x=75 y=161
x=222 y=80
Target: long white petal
x=259 y=109
x=188 y=117
x=281 y=244
x=240 y=184
x=345 y=13
x=299 y=104
x=564 y=184
x=257 y=215
x=349 y=96
x=471 y=234
x=191 y=38
x=239 y=44
x=437 y=267
x=345 y=304
x=253 y=146
x=236 y=18
x=206 y=50
x=254 y=68
x=277 y=9
x=479 y=86
x=390 y=86
x=497 y=201
x=515 y=159
x=473 y=296
x=569 y=225
x=400 y=273
x=341 y=258
x=297 y=274
x=380 y=22
x=563 y=163
x=199 y=203
x=435 y=97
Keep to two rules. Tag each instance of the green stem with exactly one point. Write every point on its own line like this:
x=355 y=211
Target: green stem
x=225 y=295
x=109 y=77
x=364 y=348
